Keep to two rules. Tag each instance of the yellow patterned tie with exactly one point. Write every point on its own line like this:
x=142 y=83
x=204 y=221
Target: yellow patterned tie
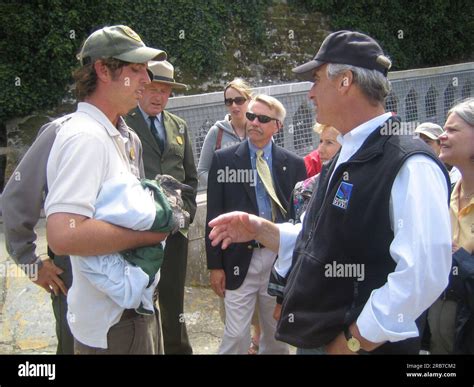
x=266 y=177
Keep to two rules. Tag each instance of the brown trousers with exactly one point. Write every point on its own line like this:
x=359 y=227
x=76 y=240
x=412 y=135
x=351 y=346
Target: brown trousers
x=134 y=334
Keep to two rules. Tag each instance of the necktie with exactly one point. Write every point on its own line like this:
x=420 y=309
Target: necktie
x=156 y=134
x=266 y=177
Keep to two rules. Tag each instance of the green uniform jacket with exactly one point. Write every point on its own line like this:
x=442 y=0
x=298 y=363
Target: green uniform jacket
x=177 y=159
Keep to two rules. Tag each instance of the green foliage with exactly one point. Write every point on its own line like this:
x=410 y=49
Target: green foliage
x=413 y=33
x=40 y=39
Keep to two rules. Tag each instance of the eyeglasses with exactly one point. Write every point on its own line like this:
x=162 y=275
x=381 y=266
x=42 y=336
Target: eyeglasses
x=261 y=118
x=238 y=101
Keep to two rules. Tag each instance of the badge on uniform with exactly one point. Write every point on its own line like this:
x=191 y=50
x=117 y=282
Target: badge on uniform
x=132 y=153
x=343 y=195
x=179 y=140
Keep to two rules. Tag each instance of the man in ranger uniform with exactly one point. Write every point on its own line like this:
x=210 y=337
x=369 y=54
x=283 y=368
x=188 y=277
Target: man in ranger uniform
x=167 y=150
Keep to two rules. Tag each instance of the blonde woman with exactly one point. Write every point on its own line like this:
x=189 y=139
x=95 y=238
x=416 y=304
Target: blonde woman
x=328 y=147
x=328 y=144
x=229 y=131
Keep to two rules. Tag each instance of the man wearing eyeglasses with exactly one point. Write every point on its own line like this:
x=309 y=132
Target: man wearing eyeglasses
x=255 y=176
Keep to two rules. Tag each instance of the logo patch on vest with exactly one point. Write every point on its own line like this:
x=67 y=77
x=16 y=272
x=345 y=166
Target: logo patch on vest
x=343 y=195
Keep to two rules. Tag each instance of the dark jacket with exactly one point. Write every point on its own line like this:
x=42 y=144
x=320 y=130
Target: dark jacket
x=349 y=225
x=461 y=290
x=222 y=197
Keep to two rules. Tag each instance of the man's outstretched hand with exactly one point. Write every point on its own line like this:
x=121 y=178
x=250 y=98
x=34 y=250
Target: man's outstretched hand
x=234 y=227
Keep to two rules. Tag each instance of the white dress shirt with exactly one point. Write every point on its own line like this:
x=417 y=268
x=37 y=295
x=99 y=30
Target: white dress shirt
x=160 y=127
x=421 y=247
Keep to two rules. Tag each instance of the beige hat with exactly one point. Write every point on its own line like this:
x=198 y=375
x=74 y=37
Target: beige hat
x=119 y=42
x=430 y=130
x=163 y=72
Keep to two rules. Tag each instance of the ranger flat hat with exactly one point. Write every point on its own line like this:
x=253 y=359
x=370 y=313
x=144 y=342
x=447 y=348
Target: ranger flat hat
x=163 y=72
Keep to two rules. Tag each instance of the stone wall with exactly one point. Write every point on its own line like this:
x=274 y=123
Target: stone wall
x=197 y=273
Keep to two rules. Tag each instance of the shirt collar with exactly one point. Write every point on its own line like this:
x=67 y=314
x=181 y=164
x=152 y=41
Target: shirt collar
x=360 y=133
x=96 y=114
x=123 y=128
x=454 y=202
x=147 y=116
x=267 y=149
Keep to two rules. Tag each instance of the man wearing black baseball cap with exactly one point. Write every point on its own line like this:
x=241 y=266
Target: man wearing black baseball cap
x=92 y=146
x=374 y=250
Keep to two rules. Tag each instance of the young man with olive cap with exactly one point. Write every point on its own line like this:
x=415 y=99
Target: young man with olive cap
x=92 y=146
x=374 y=250
x=167 y=150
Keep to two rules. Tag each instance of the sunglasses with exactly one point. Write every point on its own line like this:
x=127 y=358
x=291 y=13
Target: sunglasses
x=261 y=118
x=238 y=101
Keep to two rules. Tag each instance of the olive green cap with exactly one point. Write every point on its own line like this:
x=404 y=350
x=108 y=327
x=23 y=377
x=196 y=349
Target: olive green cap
x=119 y=42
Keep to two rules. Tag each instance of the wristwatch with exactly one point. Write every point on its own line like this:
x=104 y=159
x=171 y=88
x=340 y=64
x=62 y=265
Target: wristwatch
x=352 y=343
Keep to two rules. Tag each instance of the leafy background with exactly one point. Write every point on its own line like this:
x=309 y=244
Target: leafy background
x=260 y=40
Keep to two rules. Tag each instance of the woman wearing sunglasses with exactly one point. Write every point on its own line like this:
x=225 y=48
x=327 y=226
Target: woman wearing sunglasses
x=231 y=130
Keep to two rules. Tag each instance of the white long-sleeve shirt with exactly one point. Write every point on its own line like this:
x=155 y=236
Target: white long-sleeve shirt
x=421 y=248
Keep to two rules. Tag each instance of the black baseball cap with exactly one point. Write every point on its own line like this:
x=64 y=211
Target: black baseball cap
x=350 y=48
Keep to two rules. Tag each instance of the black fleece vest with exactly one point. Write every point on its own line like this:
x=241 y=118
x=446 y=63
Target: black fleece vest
x=346 y=233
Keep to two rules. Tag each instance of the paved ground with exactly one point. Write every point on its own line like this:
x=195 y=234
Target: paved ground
x=27 y=321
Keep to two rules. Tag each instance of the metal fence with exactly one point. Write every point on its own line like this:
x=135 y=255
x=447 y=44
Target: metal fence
x=427 y=94
x=202 y=111
x=417 y=96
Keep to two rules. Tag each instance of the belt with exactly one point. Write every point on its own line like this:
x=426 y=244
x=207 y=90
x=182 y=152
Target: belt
x=255 y=244
x=128 y=314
